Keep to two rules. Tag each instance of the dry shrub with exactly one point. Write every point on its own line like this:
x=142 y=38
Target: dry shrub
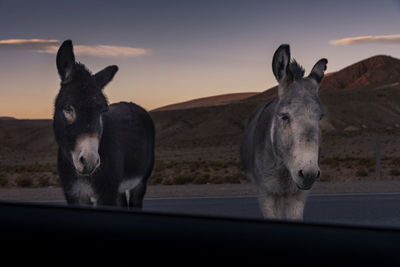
x=24 y=181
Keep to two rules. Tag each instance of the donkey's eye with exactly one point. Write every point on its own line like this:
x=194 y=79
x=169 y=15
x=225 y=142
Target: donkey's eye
x=69 y=109
x=69 y=113
x=284 y=117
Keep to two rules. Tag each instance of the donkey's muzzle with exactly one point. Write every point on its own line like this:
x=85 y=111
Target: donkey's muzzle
x=88 y=163
x=307 y=178
x=85 y=155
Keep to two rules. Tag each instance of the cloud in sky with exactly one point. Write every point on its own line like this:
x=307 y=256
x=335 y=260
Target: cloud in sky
x=382 y=39
x=51 y=47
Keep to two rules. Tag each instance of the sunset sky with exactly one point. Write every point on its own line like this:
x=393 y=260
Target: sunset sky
x=173 y=51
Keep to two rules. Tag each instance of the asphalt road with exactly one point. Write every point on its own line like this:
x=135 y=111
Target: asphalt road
x=355 y=209
x=369 y=209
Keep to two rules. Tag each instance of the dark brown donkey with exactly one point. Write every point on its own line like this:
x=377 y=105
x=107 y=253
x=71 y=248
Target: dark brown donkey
x=105 y=152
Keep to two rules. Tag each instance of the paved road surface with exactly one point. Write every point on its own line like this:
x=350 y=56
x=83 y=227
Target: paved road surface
x=209 y=190
x=361 y=209
x=371 y=209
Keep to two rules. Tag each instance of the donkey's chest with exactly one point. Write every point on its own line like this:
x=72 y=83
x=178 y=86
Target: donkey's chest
x=94 y=191
x=278 y=181
x=84 y=192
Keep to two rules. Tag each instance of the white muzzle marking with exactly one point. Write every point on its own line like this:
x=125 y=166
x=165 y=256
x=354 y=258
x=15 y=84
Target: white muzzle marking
x=85 y=155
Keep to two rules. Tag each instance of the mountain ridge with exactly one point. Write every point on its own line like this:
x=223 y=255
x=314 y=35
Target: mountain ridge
x=207 y=101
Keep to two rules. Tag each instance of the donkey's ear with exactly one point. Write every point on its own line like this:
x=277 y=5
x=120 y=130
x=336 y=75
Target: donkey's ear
x=65 y=61
x=317 y=72
x=104 y=76
x=280 y=66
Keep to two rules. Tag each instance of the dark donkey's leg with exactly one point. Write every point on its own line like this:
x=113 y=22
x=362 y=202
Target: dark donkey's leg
x=137 y=195
x=133 y=198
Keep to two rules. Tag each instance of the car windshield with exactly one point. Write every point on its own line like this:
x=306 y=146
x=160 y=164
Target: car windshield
x=281 y=110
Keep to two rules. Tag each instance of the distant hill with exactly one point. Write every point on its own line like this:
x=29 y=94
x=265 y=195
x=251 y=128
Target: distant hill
x=207 y=101
x=23 y=141
x=371 y=71
x=5 y=118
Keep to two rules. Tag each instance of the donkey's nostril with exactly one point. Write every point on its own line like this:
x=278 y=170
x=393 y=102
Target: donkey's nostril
x=309 y=175
x=82 y=160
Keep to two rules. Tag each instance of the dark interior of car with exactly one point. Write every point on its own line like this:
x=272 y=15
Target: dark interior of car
x=78 y=235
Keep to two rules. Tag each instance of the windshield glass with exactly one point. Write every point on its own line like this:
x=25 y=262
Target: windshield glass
x=264 y=109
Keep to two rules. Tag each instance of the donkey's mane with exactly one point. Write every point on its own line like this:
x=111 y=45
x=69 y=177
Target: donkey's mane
x=80 y=71
x=297 y=70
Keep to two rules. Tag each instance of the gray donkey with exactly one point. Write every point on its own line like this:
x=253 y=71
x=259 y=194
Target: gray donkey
x=281 y=143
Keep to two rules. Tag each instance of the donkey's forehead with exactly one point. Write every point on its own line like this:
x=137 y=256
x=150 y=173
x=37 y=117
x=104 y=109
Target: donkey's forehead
x=85 y=83
x=300 y=90
x=306 y=85
x=300 y=107
x=299 y=99
x=90 y=99
x=83 y=95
